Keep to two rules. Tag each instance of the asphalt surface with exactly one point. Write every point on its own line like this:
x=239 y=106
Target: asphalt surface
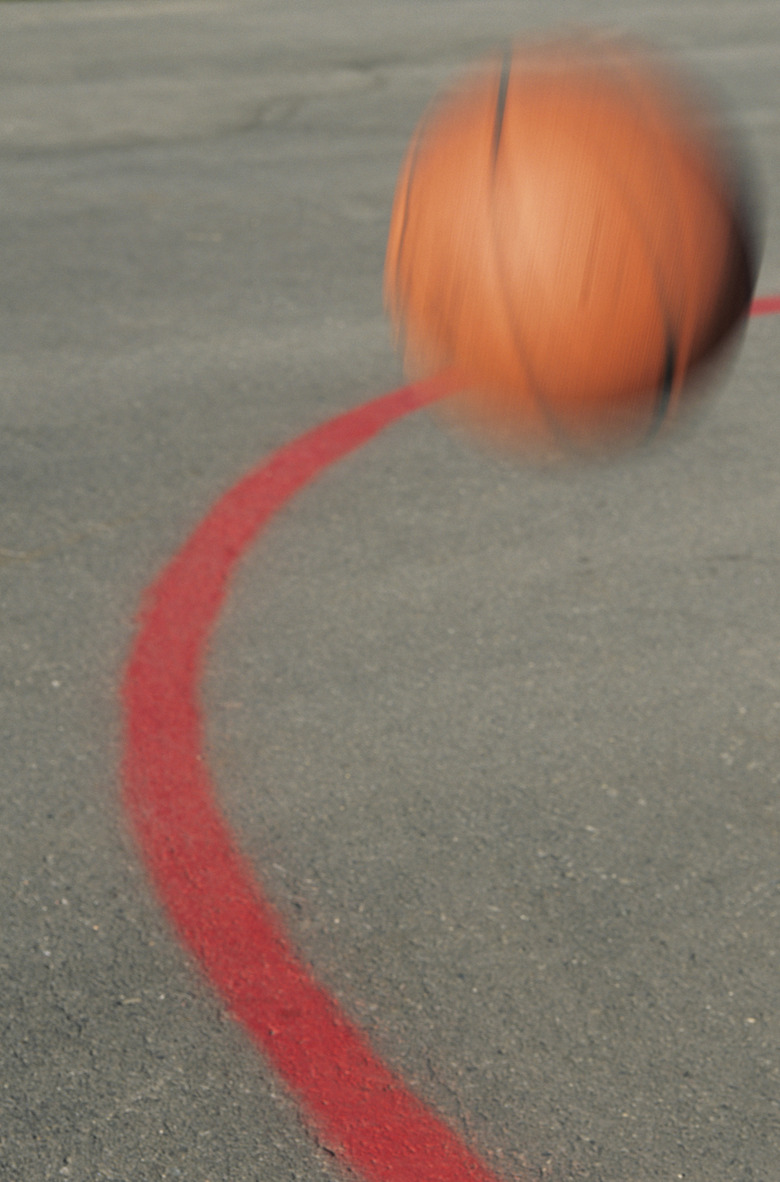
x=501 y=743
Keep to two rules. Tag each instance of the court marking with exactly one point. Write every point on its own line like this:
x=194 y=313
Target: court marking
x=765 y=306
x=357 y=1107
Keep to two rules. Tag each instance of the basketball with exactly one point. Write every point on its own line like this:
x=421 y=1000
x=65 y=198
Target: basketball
x=568 y=242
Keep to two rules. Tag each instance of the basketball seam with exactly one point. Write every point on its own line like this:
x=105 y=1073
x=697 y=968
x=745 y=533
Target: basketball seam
x=665 y=392
x=552 y=422
x=663 y=402
x=671 y=350
x=498 y=119
x=659 y=284
x=735 y=208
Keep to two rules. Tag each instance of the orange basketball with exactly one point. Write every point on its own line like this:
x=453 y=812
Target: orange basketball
x=567 y=241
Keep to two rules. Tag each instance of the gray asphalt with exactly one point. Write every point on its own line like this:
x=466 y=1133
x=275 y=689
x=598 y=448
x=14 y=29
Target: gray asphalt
x=503 y=744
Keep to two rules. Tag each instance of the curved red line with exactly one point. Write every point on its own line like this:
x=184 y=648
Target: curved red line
x=361 y=1110
x=765 y=306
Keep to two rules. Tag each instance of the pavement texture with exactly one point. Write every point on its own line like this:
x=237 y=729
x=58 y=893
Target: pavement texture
x=501 y=743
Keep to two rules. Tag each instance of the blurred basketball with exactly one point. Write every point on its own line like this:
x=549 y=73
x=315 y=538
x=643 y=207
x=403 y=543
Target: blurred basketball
x=568 y=241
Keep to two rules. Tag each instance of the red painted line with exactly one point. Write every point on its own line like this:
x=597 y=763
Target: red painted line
x=359 y=1108
x=362 y=1111
x=765 y=306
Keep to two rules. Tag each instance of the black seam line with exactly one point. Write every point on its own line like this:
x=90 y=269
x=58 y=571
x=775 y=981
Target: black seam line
x=557 y=431
x=498 y=119
x=560 y=436
x=666 y=388
x=617 y=67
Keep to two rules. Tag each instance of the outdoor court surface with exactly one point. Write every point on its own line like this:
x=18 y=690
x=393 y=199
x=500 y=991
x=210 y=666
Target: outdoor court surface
x=479 y=815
